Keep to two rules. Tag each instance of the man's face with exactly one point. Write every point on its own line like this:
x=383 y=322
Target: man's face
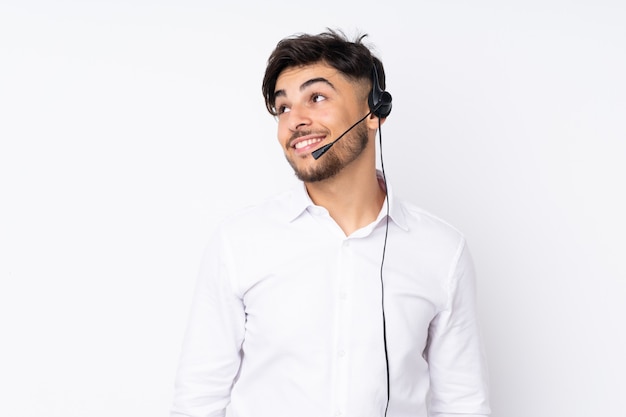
x=315 y=105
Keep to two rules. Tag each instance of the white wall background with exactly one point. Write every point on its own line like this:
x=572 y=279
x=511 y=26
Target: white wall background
x=129 y=128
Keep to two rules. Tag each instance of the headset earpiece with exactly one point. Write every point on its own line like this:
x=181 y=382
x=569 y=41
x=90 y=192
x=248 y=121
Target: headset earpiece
x=379 y=100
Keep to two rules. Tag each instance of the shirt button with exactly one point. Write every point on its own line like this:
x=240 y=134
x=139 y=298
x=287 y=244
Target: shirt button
x=346 y=243
x=343 y=296
x=338 y=413
x=341 y=353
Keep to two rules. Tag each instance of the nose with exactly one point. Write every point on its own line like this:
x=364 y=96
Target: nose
x=299 y=118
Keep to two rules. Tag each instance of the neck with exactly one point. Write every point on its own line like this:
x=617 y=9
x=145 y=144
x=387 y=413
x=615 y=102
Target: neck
x=353 y=197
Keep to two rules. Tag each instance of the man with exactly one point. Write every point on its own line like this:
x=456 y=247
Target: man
x=334 y=298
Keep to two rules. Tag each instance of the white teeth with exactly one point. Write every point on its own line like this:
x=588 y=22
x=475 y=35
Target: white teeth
x=307 y=142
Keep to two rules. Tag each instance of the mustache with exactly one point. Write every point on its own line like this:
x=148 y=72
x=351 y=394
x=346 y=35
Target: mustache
x=299 y=134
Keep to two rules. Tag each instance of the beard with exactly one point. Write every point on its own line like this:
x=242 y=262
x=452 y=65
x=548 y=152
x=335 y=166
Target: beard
x=333 y=161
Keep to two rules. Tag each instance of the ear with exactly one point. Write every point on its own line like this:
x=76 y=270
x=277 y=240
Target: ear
x=372 y=121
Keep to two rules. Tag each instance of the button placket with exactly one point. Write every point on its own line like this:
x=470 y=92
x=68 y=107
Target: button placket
x=345 y=277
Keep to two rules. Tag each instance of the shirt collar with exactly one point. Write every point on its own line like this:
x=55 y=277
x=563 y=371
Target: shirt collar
x=301 y=201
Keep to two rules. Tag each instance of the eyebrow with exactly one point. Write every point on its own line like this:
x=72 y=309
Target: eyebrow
x=279 y=93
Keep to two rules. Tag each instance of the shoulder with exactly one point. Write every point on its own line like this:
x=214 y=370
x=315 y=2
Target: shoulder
x=427 y=237
x=423 y=221
x=429 y=245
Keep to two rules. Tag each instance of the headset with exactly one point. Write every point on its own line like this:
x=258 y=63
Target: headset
x=379 y=102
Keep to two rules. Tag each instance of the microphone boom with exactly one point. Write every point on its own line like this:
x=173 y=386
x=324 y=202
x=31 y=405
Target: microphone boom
x=321 y=151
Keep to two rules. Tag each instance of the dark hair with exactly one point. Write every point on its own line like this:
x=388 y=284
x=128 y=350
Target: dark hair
x=352 y=58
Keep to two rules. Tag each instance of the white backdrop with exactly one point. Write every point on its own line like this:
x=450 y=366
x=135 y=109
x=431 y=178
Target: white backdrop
x=129 y=128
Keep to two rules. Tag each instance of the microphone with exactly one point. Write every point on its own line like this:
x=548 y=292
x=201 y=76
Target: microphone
x=321 y=151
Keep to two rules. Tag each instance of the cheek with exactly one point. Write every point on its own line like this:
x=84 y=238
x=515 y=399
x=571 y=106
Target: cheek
x=283 y=133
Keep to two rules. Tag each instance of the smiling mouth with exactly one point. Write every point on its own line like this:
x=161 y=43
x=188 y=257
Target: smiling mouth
x=304 y=143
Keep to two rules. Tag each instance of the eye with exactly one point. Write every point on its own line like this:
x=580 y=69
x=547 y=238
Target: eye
x=282 y=109
x=317 y=97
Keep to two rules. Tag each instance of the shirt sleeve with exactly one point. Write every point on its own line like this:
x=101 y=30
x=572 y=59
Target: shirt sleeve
x=211 y=352
x=458 y=370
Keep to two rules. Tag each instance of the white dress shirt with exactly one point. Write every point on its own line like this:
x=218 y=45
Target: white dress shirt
x=287 y=318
